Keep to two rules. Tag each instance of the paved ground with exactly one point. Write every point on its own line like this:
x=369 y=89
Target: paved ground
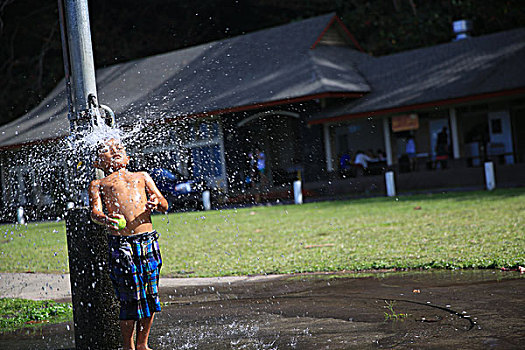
x=35 y=286
x=40 y=286
x=465 y=309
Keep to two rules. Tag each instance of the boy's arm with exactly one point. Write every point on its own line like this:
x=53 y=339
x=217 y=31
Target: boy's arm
x=155 y=199
x=95 y=203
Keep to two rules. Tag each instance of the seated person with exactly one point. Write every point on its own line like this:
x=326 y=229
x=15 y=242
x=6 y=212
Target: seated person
x=381 y=155
x=362 y=160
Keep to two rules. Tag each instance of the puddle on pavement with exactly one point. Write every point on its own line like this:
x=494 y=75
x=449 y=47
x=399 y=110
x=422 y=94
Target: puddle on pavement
x=438 y=309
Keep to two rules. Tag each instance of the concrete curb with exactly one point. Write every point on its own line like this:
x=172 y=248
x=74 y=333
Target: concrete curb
x=41 y=286
x=35 y=286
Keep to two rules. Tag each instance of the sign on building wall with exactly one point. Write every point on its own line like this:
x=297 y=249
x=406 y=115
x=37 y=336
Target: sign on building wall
x=405 y=122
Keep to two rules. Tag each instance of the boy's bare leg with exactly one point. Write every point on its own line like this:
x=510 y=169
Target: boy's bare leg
x=127 y=328
x=143 y=328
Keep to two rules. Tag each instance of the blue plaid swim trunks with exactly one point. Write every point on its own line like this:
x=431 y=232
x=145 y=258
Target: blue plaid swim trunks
x=135 y=263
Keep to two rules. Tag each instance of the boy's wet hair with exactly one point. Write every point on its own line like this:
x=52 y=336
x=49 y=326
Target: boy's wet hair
x=99 y=147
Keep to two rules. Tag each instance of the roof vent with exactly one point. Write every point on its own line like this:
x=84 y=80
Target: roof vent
x=462 y=29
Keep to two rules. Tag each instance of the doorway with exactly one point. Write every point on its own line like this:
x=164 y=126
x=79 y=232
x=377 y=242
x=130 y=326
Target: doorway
x=500 y=136
x=274 y=137
x=435 y=127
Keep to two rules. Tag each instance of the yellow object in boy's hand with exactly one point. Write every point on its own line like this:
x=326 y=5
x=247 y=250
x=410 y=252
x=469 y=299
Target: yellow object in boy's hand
x=120 y=224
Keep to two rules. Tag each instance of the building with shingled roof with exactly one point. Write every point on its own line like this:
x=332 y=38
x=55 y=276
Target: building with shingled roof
x=306 y=96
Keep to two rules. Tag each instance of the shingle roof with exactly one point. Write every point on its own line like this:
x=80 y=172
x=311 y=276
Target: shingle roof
x=269 y=65
x=276 y=64
x=474 y=66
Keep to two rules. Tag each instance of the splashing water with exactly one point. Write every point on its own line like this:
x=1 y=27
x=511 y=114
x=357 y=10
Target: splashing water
x=100 y=132
x=50 y=176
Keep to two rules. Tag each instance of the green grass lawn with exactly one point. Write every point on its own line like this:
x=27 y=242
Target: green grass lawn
x=452 y=230
x=20 y=313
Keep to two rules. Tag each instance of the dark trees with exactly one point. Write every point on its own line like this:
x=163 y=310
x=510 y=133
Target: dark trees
x=30 y=49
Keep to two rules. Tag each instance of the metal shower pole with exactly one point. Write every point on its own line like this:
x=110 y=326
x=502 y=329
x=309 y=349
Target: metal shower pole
x=95 y=309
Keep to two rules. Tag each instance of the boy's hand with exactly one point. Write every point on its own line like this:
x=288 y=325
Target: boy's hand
x=113 y=220
x=152 y=203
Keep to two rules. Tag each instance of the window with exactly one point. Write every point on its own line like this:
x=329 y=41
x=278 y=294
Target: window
x=496 y=126
x=207 y=162
x=206 y=148
x=22 y=184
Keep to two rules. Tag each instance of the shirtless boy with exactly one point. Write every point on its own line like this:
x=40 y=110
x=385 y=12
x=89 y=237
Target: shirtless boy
x=135 y=259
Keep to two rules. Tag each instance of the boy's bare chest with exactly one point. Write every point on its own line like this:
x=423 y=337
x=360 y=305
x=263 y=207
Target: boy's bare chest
x=125 y=188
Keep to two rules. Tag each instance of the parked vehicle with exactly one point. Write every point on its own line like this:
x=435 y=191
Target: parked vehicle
x=181 y=194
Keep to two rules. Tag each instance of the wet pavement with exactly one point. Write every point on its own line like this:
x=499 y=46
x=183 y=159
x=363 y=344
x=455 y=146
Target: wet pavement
x=468 y=309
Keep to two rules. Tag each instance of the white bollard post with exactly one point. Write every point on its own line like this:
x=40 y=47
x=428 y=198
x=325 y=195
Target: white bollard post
x=206 y=201
x=20 y=218
x=297 y=192
x=490 y=179
x=390 y=184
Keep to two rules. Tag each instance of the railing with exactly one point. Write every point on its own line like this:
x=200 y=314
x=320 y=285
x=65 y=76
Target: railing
x=419 y=174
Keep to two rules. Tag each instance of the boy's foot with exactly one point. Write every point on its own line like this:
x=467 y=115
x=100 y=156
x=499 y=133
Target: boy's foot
x=144 y=347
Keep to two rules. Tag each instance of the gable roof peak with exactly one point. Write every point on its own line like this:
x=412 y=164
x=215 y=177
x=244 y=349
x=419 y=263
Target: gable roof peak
x=336 y=34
